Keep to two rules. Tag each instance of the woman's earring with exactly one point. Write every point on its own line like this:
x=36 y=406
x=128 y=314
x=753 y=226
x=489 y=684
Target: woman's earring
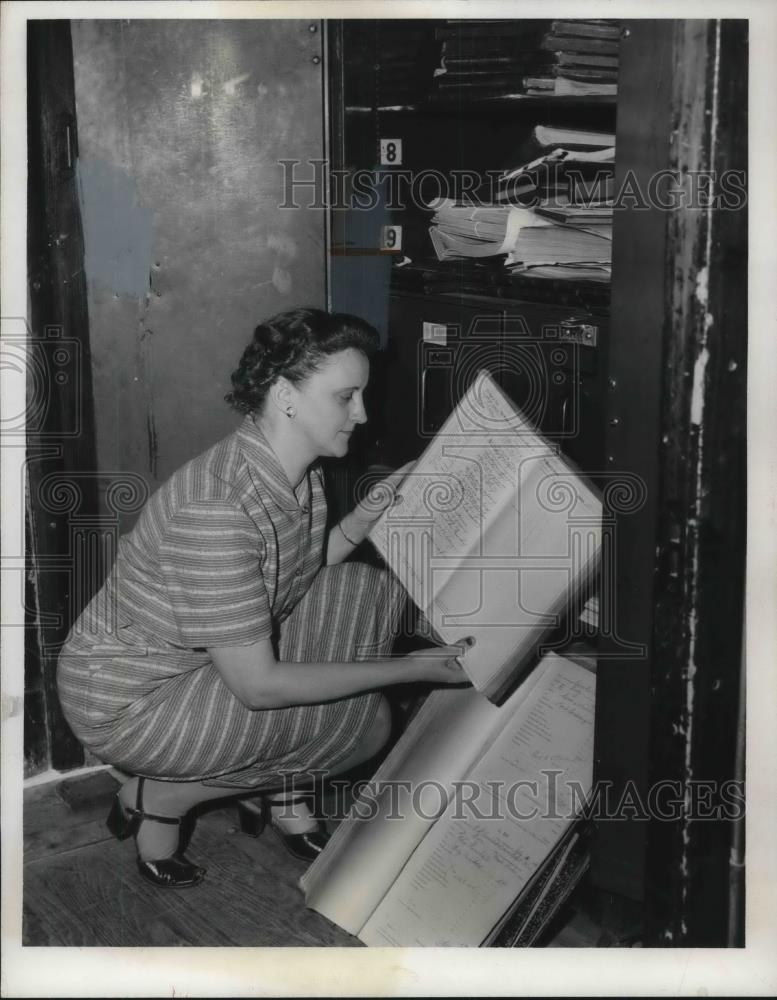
x=289 y=411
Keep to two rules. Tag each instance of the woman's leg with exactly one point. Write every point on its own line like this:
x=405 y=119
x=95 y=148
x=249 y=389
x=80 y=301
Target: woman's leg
x=371 y=744
x=156 y=841
x=293 y=814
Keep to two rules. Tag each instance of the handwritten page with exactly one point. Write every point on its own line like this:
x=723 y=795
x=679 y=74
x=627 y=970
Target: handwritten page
x=453 y=728
x=533 y=556
x=470 y=867
x=463 y=478
x=494 y=534
x=370 y=847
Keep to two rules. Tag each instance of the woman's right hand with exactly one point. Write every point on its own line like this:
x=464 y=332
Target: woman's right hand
x=438 y=664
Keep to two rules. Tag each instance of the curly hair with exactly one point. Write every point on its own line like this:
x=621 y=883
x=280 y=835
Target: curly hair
x=292 y=345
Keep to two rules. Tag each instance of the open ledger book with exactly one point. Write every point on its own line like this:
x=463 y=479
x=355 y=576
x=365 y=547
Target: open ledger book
x=467 y=819
x=497 y=536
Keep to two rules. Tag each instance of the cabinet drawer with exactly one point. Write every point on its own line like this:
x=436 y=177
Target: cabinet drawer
x=437 y=346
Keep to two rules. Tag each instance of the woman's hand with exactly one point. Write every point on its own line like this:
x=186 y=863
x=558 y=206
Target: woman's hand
x=439 y=664
x=380 y=496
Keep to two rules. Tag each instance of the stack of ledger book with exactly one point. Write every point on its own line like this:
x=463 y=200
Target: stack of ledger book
x=510 y=58
x=470 y=832
x=586 y=59
x=481 y=58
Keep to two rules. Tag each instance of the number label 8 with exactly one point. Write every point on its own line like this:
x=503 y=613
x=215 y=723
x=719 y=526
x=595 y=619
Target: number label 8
x=390 y=152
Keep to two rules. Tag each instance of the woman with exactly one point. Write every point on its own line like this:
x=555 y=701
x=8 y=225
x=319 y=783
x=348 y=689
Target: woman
x=220 y=656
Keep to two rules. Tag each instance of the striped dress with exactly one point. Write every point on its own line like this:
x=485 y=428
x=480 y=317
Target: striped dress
x=224 y=553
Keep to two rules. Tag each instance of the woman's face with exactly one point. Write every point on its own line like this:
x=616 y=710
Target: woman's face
x=330 y=402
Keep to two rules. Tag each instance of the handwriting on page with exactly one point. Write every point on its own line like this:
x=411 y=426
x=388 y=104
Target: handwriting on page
x=464 y=474
x=469 y=868
x=460 y=870
x=494 y=535
x=456 y=493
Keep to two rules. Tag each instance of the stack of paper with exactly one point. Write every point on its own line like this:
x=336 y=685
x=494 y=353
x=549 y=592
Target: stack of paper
x=551 y=245
x=477 y=231
x=562 y=241
x=562 y=173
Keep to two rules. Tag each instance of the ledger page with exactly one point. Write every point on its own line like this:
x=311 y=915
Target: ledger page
x=408 y=792
x=457 y=487
x=473 y=864
x=535 y=554
x=495 y=531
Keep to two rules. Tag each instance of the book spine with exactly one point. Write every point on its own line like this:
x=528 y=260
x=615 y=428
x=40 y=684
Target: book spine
x=474 y=47
x=586 y=73
x=519 y=63
x=586 y=29
x=554 y=43
x=585 y=59
x=540 y=83
x=515 y=28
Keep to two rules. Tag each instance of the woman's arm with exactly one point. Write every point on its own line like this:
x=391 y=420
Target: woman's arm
x=259 y=681
x=343 y=539
x=354 y=527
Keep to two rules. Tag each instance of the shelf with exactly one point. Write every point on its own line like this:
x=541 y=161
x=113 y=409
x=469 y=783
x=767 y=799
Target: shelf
x=495 y=104
x=575 y=297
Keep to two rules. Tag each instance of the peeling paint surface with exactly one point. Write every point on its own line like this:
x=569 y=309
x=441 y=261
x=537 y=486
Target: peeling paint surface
x=703 y=286
x=697 y=396
x=697 y=417
x=118 y=229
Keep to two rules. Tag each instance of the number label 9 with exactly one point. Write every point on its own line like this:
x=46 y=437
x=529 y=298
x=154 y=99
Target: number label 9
x=391 y=239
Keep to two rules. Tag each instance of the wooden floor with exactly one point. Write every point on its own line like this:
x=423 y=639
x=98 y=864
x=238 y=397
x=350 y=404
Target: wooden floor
x=82 y=888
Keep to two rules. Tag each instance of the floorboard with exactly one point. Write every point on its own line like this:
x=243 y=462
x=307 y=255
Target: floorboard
x=82 y=888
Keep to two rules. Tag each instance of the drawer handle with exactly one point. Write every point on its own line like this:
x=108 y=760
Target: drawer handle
x=578 y=332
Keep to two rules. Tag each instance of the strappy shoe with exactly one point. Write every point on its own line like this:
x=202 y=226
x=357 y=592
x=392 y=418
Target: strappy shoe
x=254 y=815
x=176 y=872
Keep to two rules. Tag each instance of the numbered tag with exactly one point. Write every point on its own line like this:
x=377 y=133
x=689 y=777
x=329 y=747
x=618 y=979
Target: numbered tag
x=435 y=333
x=390 y=152
x=391 y=238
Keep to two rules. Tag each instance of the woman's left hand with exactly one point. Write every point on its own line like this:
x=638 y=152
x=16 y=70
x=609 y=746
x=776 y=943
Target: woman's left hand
x=380 y=496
